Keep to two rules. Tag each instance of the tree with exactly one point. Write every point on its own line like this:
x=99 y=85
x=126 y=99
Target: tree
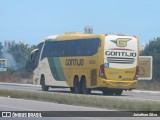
x=1 y=47
x=153 y=49
x=21 y=53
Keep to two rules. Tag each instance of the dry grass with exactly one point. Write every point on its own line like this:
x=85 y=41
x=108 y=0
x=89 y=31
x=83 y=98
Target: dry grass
x=15 y=77
x=86 y=100
x=149 y=85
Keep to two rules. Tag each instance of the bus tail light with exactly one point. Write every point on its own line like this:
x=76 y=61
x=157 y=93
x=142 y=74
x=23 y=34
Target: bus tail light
x=136 y=74
x=102 y=72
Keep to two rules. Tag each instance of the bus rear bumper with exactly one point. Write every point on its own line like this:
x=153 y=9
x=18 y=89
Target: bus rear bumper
x=116 y=84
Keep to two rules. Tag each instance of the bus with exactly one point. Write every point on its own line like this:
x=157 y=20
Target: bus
x=85 y=62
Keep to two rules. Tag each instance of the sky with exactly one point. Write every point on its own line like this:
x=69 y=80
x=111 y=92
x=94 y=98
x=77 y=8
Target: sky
x=32 y=20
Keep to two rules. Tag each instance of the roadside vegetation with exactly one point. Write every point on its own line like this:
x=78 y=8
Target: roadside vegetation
x=152 y=49
x=18 y=61
x=148 y=85
x=116 y=103
x=14 y=76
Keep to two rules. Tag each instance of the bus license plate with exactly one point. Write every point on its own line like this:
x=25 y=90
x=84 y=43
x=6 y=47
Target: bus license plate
x=119 y=83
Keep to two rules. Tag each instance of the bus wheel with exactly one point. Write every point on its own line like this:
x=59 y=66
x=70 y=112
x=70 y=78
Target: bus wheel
x=85 y=90
x=72 y=89
x=107 y=92
x=76 y=85
x=118 y=92
x=44 y=87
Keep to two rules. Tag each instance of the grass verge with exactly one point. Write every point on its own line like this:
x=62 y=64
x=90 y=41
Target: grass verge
x=109 y=102
x=148 y=85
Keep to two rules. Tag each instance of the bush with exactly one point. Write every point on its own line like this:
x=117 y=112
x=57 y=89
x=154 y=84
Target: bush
x=153 y=49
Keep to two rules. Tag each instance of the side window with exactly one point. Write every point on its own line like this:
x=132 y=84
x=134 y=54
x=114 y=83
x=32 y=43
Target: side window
x=81 y=47
x=37 y=54
x=86 y=47
x=34 y=59
x=68 y=48
x=47 y=51
x=31 y=57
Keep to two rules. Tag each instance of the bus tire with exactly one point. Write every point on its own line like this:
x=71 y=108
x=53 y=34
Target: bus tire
x=85 y=90
x=43 y=86
x=72 y=89
x=76 y=85
x=108 y=92
x=118 y=92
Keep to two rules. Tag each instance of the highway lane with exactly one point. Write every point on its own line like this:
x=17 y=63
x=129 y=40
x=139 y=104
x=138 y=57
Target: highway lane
x=12 y=104
x=135 y=94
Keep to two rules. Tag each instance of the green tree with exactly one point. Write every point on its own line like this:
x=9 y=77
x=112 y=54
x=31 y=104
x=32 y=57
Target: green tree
x=21 y=53
x=153 y=49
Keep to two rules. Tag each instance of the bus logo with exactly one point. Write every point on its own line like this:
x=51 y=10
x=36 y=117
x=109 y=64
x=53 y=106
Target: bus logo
x=121 y=42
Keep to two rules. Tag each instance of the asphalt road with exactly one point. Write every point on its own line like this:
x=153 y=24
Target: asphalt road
x=134 y=94
x=12 y=104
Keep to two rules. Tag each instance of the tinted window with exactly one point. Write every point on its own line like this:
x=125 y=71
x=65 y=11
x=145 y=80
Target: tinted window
x=81 y=47
x=39 y=46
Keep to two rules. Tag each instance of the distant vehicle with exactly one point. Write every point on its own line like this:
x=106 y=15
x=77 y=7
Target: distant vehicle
x=84 y=62
x=3 y=64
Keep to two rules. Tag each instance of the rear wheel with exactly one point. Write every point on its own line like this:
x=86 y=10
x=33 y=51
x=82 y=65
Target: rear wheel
x=44 y=87
x=108 y=92
x=76 y=85
x=118 y=92
x=72 y=89
x=85 y=90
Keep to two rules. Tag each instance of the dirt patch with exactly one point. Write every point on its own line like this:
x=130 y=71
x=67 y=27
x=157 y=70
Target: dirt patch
x=14 y=77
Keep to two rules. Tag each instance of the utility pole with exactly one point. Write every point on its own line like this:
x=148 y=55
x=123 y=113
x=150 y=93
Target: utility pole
x=88 y=30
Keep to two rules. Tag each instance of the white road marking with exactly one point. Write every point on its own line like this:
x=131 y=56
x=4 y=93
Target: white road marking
x=142 y=91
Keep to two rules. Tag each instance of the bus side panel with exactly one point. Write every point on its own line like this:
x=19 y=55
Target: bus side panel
x=78 y=66
x=51 y=69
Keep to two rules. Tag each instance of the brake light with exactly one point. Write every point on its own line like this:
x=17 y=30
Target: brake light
x=136 y=74
x=102 y=72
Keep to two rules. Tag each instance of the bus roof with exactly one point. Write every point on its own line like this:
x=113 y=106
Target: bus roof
x=71 y=36
x=120 y=35
x=76 y=35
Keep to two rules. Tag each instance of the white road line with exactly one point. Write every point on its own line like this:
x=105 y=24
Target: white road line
x=143 y=99
x=142 y=91
x=19 y=84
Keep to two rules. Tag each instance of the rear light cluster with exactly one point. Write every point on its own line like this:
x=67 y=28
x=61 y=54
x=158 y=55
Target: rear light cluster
x=136 y=74
x=102 y=72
